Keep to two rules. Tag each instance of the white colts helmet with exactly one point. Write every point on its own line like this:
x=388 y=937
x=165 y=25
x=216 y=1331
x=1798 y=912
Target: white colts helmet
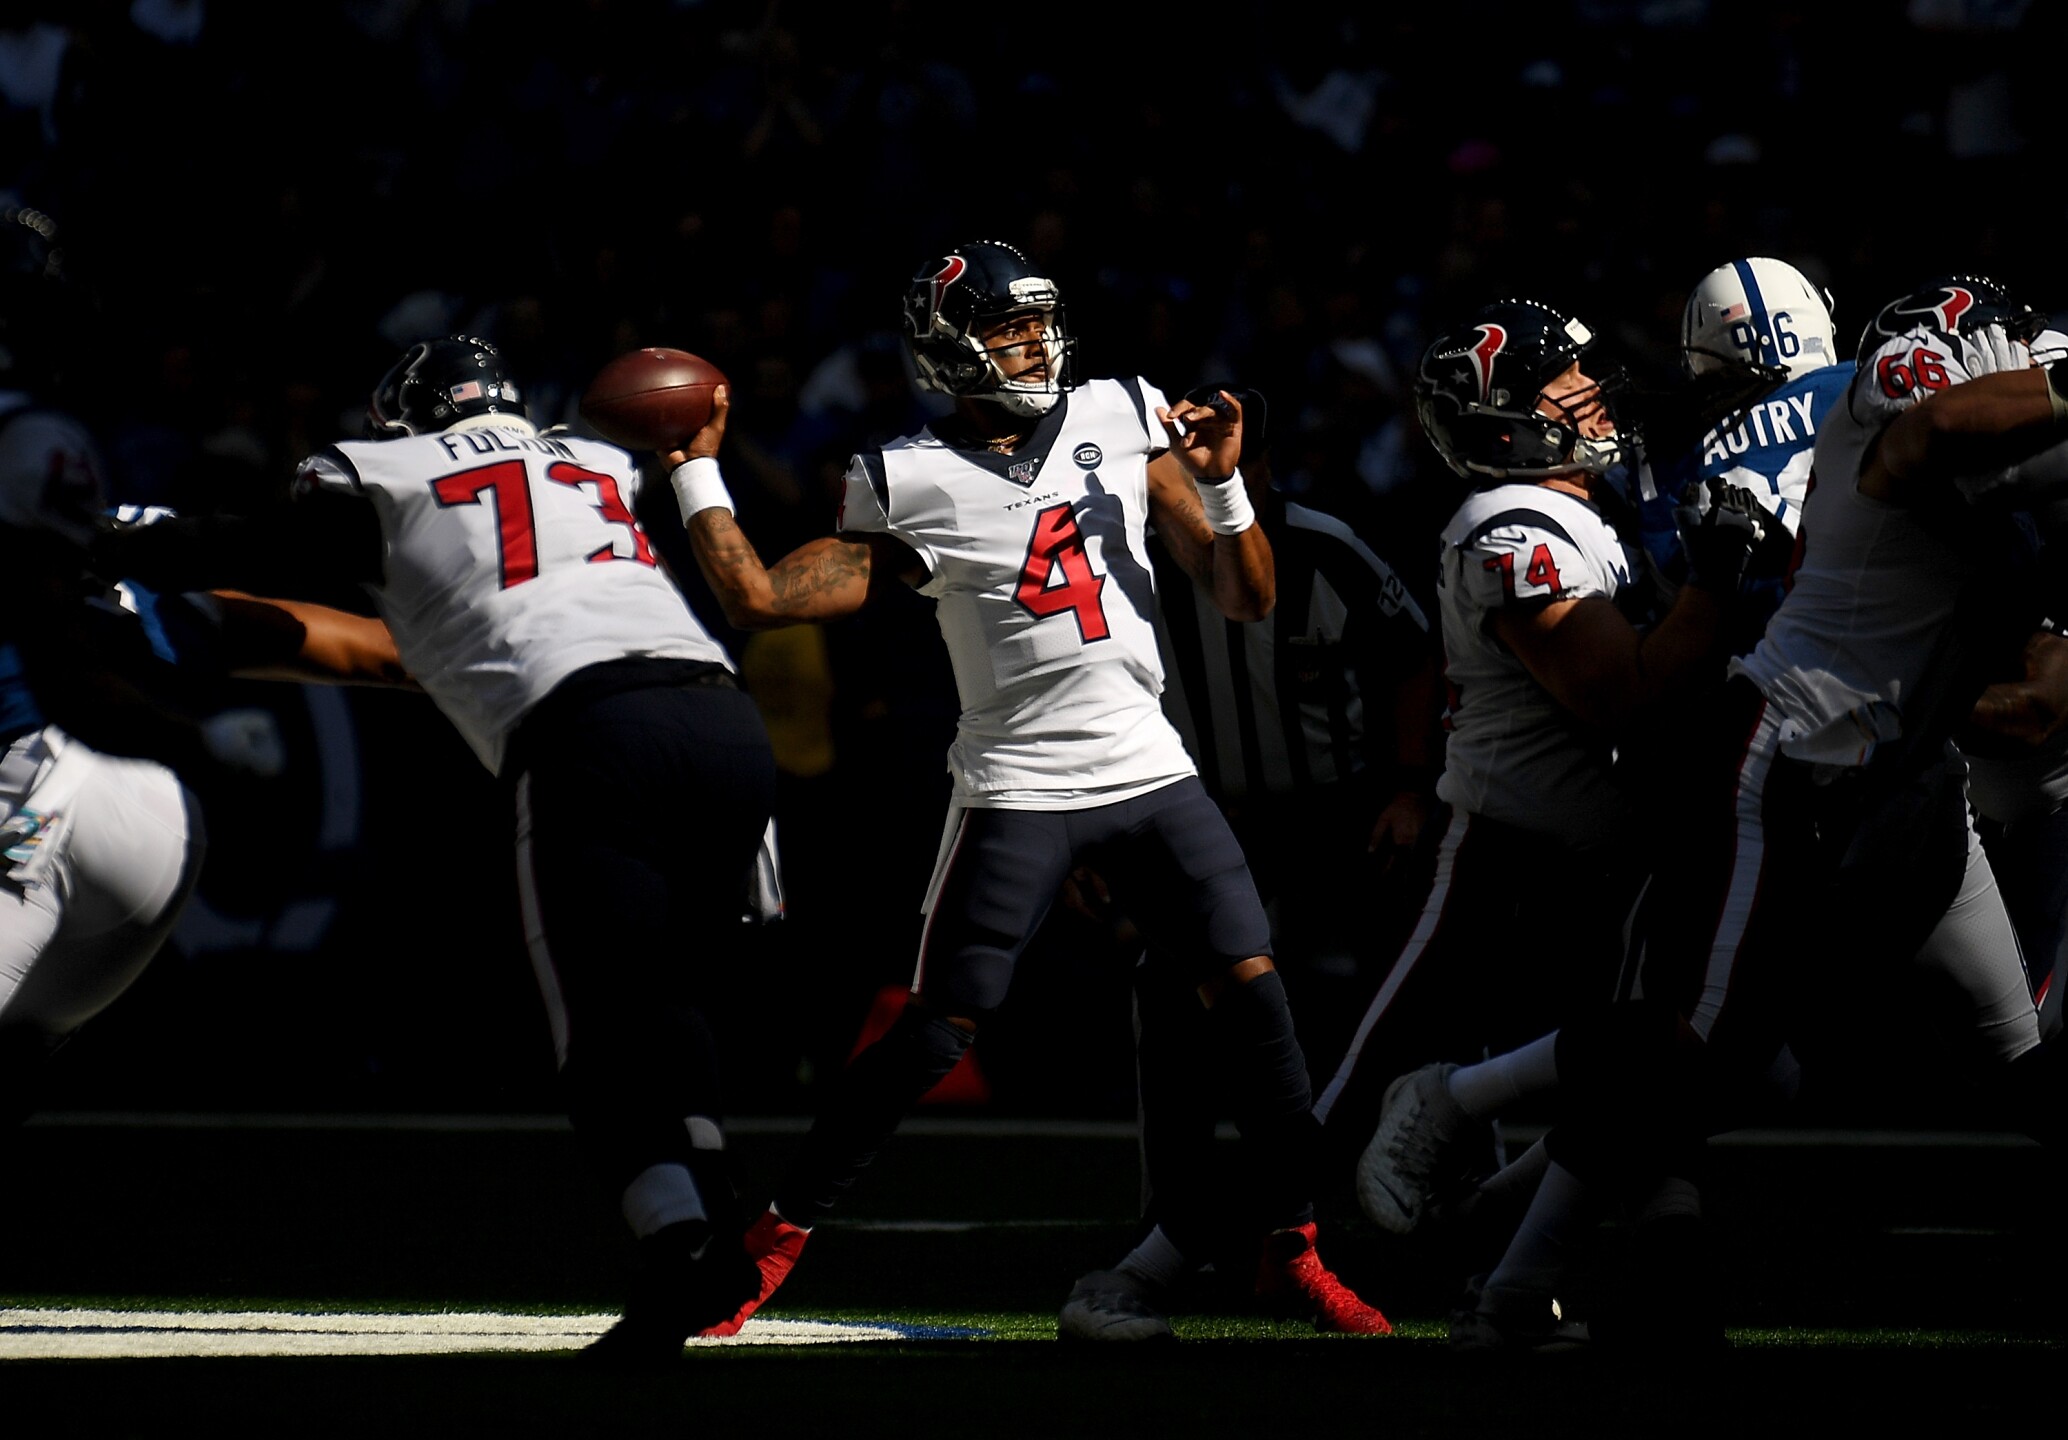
x=1757 y=311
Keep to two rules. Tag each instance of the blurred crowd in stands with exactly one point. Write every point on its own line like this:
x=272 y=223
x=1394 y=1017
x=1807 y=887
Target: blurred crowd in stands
x=272 y=201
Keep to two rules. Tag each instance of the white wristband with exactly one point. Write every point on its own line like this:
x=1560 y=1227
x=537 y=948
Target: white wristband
x=699 y=486
x=1227 y=504
x=2056 y=384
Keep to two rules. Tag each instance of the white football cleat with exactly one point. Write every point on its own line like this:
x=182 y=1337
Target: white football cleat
x=1425 y=1147
x=1111 y=1305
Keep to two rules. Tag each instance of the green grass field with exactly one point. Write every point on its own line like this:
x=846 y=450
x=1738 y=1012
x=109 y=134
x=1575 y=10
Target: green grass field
x=1887 y=1279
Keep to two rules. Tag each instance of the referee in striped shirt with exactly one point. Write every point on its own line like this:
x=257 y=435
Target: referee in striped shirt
x=1318 y=730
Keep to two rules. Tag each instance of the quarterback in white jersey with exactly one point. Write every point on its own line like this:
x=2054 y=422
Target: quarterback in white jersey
x=1045 y=599
x=1023 y=513
x=530 y=605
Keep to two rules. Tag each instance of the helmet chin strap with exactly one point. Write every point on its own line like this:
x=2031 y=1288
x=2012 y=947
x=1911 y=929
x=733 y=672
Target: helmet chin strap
x=1589 y=457
x=1027 y=400
x=1028 y=404
x=1598 y=457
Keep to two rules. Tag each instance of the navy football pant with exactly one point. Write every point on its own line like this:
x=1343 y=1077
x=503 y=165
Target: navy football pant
x=1174 y=867
x=639 y=816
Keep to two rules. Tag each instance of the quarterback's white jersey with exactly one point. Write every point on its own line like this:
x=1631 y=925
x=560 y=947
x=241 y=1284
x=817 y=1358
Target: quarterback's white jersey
x=1038 y=563
x=1865 y=634
x=1514 y=753
x=511 y=560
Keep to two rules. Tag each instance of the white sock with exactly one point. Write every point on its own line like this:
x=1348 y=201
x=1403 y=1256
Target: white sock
x=1156 y=1261
x=661 y=1195
x=1486 y=1089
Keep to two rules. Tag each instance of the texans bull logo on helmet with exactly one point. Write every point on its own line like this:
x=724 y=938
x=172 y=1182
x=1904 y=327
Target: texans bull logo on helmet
x=1492 y=339
x=1954 y=301
x=951 y=271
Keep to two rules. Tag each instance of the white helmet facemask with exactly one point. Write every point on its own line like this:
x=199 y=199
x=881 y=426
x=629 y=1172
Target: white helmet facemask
x=1028 y=397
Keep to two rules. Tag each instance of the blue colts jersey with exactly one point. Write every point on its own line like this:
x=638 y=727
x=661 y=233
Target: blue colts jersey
x=1767 y=452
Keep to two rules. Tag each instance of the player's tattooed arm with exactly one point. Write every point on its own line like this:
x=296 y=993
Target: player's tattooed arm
x=821 y=579
x=1237 y=568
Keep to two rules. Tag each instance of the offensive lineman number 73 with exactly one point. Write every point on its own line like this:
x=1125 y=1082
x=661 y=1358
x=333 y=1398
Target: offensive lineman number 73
x=508 y=483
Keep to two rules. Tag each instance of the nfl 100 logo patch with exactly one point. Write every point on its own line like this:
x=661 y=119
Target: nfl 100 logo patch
x=1022 y=472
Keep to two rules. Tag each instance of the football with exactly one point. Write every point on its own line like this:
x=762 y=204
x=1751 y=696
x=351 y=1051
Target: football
x=651 y=399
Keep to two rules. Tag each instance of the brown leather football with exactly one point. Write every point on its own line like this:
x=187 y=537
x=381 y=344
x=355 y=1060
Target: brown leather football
x=651 y=399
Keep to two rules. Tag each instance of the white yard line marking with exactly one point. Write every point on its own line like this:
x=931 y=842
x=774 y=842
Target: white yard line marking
x=139 y=1334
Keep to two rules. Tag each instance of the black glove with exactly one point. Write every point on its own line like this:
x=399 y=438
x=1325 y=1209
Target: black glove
x=1776 y=549
x=1719 y=537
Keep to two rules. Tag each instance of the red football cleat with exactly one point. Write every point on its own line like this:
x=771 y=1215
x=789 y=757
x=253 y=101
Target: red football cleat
x=773 y=1244
x=1292 y=1280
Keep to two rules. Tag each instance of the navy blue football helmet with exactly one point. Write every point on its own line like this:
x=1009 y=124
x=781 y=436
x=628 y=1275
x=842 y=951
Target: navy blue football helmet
x=1952 y=305
x=954 y=296
x=437 y=383
x=1476 y=392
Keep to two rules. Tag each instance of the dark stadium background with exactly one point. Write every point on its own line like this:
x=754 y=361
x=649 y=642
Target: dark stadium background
x=1288 y=197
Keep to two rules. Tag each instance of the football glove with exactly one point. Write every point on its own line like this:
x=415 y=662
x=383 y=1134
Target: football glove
x=1720 y=534
x=1991 y=351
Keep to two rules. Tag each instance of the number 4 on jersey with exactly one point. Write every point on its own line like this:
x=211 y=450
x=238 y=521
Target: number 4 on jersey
x=1057 y=544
